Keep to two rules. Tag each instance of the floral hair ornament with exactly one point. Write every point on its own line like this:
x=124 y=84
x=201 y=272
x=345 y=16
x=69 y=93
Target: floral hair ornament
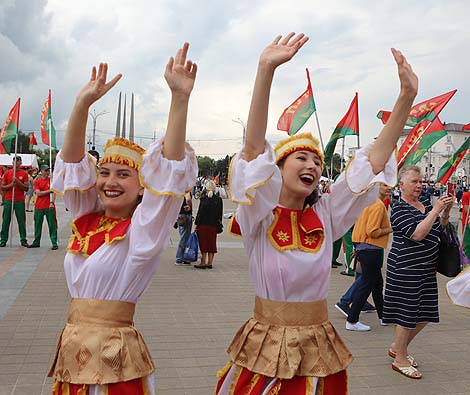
x=122 y=151
x=298 y=142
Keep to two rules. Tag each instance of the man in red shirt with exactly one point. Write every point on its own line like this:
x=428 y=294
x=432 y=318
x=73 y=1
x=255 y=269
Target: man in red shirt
x=15 y=184
x=44 y=207
x=465 y=208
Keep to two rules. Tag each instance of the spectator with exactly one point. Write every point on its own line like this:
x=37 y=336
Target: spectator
x=32 y=174
x=44 y=207
x=208 y=220
x=15 y=184
x=410 y=300
x=370 y=237
x=184 y=225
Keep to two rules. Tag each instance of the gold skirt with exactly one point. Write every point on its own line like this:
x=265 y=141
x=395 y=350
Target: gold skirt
x=100 y=345
x=287 y=339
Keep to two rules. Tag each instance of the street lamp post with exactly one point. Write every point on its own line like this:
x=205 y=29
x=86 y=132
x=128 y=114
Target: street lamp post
x=94 y=115
x=238 y=120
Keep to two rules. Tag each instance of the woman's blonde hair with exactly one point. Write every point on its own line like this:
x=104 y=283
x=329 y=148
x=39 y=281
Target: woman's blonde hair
x=210 y=188
x=408 y=169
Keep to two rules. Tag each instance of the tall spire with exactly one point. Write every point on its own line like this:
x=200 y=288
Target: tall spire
x=118 y=120
x=123 y=134
x=131 y=126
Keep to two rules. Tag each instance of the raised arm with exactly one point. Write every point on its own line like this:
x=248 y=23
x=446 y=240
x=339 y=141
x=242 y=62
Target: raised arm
x=443 y=204
x=275 y=54
x=180 y=74
x=73 y=148
x=388 y=137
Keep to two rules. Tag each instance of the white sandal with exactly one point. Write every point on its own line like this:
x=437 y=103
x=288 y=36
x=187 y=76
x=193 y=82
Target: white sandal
x=411 y=360
x=408 y=371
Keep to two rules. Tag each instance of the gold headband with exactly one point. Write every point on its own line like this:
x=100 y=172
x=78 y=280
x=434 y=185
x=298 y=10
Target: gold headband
x=123 y=151
x=298 y=142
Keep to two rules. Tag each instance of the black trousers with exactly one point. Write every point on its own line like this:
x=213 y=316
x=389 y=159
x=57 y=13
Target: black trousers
x=371 y=281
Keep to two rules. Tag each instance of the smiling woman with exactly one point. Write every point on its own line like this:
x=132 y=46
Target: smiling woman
x=118 y=184
x=122 y=218
x=288 y=233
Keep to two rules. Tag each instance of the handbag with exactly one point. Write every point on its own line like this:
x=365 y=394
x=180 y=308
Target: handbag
x=220 y=227
x=449 y=262
x=192 y=248
x=355 y=264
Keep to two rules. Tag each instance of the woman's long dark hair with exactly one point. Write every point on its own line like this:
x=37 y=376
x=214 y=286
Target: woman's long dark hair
x=311 y=199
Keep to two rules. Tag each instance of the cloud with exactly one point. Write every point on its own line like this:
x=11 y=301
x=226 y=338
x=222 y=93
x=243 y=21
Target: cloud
x=53 y=45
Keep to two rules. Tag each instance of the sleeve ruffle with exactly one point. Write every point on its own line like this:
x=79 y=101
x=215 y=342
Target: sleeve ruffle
x=458 y=289
x=80 y=176
x=359 y=174
x=162 y=176
x=246 y=177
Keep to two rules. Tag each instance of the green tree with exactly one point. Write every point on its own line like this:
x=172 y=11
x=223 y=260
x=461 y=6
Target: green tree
x=43 y=156
x=335 y=169
x=221 y=168
x=23 y=143
x=206 y=166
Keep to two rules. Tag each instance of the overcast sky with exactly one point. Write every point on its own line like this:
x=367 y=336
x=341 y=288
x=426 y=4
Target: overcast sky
x=53 y=44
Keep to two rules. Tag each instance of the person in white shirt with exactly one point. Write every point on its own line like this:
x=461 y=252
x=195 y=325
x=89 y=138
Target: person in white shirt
x=290 y=346
x=122 y=217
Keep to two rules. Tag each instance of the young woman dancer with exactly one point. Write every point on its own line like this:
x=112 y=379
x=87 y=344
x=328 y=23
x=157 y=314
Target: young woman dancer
x=122 y=221
x=289 y=346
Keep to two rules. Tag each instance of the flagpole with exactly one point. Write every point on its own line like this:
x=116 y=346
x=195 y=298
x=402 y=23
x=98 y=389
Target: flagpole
x=50 y=145
x=331 y=168
x=14 y=175
x=322 y=145
x=417 y=141
x=342 y=155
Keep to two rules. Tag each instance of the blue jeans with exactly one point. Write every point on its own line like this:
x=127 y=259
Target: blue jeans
x=371 y=282
x=184 y=229
x=348 y=297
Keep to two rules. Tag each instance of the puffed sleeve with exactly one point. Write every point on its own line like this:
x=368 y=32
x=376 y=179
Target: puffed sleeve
x=354 y=190
x=458 y=289
x=165 y=183
x=76 y=182
x=255 y=186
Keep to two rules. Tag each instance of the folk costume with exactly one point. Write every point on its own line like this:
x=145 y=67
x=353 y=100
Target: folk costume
x=289 y=346
x=109 y=264
x=458 y=289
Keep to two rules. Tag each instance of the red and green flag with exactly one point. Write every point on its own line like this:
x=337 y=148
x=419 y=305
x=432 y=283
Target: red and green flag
x=434 y=132
x=48 y=134
x=32 y=141
x=10 y=128
x=426 y=110
x=349 y=125
x=295 y=116
x=450 y=166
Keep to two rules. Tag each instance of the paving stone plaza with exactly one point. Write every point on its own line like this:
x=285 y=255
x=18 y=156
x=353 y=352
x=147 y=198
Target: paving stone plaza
x=188 y=318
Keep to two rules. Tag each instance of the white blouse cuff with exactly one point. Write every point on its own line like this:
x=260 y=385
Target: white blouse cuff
x=359 y=174
x=162 y=176
x=79 y=176
x=245 y=177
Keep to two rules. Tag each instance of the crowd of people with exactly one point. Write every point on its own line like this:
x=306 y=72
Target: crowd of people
x=124 y=204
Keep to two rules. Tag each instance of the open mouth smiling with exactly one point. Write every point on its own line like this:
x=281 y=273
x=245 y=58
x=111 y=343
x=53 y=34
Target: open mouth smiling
x=112 y=194
x=307 y=179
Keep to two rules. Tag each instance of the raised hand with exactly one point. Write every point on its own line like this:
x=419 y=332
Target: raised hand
x=282 y=50
x=180 y=73
x=97 y=87
x=408 y=79
x=443 y=203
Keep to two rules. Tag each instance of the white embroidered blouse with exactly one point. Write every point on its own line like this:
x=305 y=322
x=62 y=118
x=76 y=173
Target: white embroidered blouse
x=123 y=269
x=295 y=275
